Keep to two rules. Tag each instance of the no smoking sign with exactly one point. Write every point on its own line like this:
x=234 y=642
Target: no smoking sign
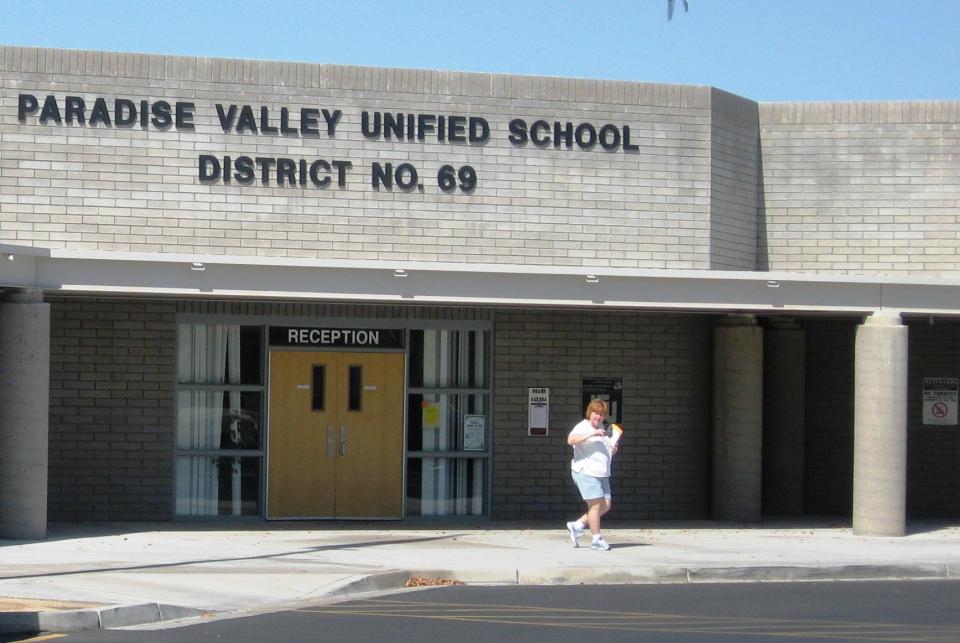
x=940 y=400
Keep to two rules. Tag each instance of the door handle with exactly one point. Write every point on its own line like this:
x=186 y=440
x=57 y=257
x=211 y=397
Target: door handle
x=343 y=440
x=330 y=452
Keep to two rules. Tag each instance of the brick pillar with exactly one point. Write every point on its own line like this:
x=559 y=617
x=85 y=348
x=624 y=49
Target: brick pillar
x=24 y=413
x=737 y=418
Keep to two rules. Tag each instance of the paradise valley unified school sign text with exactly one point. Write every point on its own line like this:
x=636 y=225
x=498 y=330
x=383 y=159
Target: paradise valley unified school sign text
x=307 y=122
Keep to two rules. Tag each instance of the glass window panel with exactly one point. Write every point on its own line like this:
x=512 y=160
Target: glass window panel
x=218 y=486
x=319 y=392
x=219 y=419
x=218 y=357
x=243 y=430
x=219 y=354
x=449 y=358
x=435 y=421
x=415 y=405
x=251 y=355
x=208 y=354
x=415 y=359
x=446 y=486
x=356 y=388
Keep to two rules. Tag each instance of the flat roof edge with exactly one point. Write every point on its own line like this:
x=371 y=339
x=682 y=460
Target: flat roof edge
x=117 y=273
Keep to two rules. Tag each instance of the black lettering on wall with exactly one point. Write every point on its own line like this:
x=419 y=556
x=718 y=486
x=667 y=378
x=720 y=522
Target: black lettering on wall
x=247 y=121
x=457 y=127
x=332 y=118
x=50 y=111
x=74 y=109
x=342 y=167
x=535 y=137
x=479 y=130
x=244 y=173
x=265 y=126
x=124 y=112
x=162 y=118
x=309 y=119
x=26 y=104
x=518 y=131
x=226 y=118
x=367 y=128
x=208 y=168
x=184 y=116
x=100 y=115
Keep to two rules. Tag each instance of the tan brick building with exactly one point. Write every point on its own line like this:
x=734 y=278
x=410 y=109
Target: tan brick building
x=242 y=288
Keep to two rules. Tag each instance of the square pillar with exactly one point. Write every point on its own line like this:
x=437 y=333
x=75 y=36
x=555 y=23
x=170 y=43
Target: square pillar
x=24 y=413
x=737 y=419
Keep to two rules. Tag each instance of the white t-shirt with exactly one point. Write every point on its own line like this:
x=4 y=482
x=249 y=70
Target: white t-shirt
x=592 y=456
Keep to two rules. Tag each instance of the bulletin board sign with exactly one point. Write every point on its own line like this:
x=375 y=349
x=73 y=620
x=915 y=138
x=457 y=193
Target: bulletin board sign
x=538 y=412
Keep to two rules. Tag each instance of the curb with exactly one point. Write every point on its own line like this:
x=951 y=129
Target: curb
x=397 y=579
x=758 y=573
x=142 y=614
x=919 y=571
x=93 y=619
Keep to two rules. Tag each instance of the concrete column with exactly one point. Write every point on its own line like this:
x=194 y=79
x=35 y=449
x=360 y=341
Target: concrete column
x=737 y=418
x=24 y=413
x=880 y=427
x=784 y=398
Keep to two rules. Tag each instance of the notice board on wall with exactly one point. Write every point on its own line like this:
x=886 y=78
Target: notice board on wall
x=538 y=411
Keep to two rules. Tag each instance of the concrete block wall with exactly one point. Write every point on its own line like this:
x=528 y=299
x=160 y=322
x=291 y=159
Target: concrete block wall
x=828 y=474
x=663 y=469
x=112 y=407
x=112 y=395
x=735 y=170
x=861 y=187
x=135 y=189
x=933 y=451
x=112 y=373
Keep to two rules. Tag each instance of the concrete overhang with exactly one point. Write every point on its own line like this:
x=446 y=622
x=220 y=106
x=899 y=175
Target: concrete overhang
x=124 y=273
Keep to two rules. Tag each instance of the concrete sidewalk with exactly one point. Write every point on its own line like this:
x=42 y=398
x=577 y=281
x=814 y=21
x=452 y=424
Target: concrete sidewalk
x=134 y=573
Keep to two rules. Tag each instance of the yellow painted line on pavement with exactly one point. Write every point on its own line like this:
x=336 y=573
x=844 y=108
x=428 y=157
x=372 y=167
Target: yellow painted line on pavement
x=44 y=637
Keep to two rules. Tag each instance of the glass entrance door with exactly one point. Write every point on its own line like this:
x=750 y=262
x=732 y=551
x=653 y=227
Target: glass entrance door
x=335 y=435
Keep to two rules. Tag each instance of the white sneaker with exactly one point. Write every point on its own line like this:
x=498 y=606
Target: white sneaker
x=600 y=544
x=575 y=532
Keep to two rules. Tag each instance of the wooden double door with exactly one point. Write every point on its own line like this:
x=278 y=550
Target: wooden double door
x=335 y=445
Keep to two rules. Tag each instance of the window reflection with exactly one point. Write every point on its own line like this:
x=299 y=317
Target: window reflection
x=218 y=486
x=446 y=486
x=214 y=417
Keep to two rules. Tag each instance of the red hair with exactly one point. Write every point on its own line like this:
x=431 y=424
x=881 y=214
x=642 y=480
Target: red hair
x=596 y=406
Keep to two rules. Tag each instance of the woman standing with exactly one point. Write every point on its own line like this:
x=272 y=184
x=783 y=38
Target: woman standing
x=593 y=450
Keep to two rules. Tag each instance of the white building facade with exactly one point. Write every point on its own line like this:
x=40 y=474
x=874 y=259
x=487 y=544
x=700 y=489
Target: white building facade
x=290 y=291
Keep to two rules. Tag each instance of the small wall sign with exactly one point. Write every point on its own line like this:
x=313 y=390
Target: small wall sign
x=538 y=413
x=940 y=400
x=474 y=431
x=336 y=337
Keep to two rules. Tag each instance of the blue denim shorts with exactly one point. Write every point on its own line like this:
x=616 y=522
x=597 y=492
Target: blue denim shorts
x=592 y=488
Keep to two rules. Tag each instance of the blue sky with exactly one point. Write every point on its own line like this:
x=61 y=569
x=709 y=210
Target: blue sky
x=765 y=50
